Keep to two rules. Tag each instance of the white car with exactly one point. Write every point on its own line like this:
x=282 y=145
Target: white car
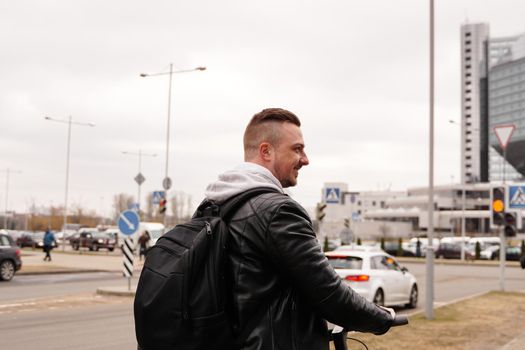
x=375 y=275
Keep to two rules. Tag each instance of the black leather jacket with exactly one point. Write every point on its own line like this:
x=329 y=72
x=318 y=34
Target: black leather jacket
x=281 y=276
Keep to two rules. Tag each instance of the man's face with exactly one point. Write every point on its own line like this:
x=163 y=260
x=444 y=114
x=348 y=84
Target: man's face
x=289 y=155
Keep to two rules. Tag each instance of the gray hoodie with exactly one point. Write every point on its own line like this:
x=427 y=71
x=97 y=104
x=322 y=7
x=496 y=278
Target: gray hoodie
x=241 y=178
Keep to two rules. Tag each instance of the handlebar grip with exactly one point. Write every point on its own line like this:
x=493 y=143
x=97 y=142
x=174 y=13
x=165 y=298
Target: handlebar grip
x=400 y=320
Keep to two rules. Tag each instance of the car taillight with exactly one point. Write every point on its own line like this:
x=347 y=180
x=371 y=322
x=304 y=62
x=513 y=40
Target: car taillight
x=357 y=278
x=17 y=252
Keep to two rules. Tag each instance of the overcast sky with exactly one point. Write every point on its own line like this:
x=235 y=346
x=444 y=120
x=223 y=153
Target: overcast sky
x=355 y=72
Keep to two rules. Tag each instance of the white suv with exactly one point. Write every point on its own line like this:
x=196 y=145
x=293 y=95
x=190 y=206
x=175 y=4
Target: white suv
x=375 y=275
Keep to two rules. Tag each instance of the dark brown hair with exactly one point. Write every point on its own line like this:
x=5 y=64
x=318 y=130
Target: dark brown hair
x=264 y=127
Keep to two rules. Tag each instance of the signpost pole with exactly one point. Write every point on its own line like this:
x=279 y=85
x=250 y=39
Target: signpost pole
x=128 y=224
x=503 y=133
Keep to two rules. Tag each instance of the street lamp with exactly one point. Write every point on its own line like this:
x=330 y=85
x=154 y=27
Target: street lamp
x=166 y=183
x=139 y=178
x=8 y=171
x=429 y=260
x=69 y=122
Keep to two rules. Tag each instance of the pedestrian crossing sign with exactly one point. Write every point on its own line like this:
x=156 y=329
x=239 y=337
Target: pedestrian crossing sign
x=332 y=195
x=517 y=197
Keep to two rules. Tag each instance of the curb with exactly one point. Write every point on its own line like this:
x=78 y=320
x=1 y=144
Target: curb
x=115 y=291
x=58 y=272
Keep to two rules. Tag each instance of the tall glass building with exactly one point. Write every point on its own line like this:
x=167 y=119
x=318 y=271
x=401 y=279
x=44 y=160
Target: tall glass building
x=493 y=93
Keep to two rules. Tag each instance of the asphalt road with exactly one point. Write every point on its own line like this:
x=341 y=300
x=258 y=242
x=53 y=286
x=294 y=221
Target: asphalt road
x=109 y=325
x=453 y=282
x=38 y=286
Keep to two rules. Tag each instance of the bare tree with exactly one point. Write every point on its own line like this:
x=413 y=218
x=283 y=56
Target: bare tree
x=121 y=202
x=181 y=206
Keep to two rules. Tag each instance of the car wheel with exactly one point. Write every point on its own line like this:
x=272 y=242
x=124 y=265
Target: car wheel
x=379 y=298
x=412 y=303
x=7 y=270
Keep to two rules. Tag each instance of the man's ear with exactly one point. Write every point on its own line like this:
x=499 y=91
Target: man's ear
x=266 y=151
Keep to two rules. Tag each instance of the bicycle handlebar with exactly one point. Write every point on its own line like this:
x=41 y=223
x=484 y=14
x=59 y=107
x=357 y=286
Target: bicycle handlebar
x=400 y=320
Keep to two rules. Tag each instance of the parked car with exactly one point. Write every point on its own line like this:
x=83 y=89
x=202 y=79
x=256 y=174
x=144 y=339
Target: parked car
x=453 y=251
x=25 y=240
x=93 y=240
x=32 y=239
x=492 y=253
x=375 y=275
x=10 y=260
x=392 y=248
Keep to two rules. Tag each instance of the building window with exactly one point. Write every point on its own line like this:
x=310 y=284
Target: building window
x=468 y=149
x=468 y=66
x=467 y=107
x=468 y=99
x=468 y=33
x=467 y=50
x=467 y=115
x=468 y=157
x=467 y=42
x=468 y=132
x=469 y=124
x=468 y=91
x=467 y=58
x=374 y=203
x=358 y=202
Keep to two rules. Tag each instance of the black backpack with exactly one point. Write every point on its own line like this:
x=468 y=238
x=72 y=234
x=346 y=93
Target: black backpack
x=181 y=298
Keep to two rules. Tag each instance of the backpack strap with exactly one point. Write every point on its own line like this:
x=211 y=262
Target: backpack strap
x=231 y=205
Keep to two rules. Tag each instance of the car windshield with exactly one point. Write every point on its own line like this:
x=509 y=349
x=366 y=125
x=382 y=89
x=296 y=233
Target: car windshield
x=345 y=262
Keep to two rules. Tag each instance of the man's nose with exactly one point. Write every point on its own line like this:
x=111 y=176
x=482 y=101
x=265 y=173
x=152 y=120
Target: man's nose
x=304 y=160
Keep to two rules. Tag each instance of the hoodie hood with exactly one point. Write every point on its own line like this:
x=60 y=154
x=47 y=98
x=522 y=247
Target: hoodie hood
x=243 y=177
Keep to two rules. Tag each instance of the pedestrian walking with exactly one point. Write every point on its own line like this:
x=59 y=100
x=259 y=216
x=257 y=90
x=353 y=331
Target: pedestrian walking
x=49 y=241
x=144 y=240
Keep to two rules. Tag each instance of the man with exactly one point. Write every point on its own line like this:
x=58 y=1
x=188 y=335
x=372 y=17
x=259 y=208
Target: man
x=283 y=287
x=49 y=240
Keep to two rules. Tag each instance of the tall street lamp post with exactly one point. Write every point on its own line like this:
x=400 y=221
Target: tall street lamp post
x=69 y=122
x=139 y=178
x=166 y=183
x=429 y=301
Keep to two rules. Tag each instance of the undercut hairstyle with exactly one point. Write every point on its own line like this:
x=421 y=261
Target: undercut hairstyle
x=265 y=127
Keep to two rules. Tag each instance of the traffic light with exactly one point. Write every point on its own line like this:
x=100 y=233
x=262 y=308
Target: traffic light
x=319 y=211
x=162 y=205
x=510 y=224
x=497 y=206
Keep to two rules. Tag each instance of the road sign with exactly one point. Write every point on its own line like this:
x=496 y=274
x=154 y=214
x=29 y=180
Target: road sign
x=503 y=133
x=332 y=195
x=157 y=196
x=128 y=222
x=166 y=183
x=516 y=197
x=140 y=178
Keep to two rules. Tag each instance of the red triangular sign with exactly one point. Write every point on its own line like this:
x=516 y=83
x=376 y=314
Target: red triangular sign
x=504 y=133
